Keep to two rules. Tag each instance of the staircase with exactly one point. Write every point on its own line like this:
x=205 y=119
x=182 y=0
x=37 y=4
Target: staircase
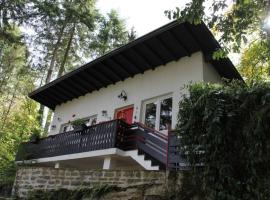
x=141 y=159
x=151 y=146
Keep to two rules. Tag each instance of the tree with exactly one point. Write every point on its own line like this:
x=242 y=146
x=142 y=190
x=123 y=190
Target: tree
x=255 y=62
x=234 y=24
x=57 y=25
x=9 y=11
x=19 y=125
x=77 y=33
x=111 y=34
x=13 y=69
x=18 y=116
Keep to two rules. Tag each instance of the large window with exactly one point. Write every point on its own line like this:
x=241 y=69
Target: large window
x=151 y=114
x=157 y=113
x=165 y=120
x=89 y=121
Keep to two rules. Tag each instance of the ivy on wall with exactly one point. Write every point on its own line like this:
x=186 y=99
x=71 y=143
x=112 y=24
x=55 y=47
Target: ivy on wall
x=225 y=131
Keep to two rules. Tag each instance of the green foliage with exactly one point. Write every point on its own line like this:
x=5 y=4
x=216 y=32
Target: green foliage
x=21 y=122
x=72 y=32
x=233 y=23
x=255 y=62
x=111 y=34
x=17 y=112
x=78 y=194
x=226 y=129
x=9 y=10
x=78 y=122
x=35 y=136
x=6 y=188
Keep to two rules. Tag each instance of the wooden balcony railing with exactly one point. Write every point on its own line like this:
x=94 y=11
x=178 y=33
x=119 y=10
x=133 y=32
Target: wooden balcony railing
x=176 y=159
x=100 y=136
x=163 y=150
x=152 y=143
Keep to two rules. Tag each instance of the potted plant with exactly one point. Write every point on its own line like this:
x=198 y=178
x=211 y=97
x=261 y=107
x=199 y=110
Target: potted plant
x=35 y=137
x=78 y=124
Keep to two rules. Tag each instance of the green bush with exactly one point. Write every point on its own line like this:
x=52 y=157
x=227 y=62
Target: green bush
x=64 y=194
x=226 y=128
x=7 y=176
x=6 y=188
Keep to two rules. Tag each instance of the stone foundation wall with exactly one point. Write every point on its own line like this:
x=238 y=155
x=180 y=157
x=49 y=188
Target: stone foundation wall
x=135 y=183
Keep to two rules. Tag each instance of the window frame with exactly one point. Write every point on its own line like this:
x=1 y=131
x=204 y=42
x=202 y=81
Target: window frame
x=157 y=100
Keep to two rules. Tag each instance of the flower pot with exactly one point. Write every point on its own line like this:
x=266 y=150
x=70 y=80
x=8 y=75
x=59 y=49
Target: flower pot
x=80 y=127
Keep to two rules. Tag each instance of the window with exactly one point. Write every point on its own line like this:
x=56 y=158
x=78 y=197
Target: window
x=165 y=114
x=151 y=114
x=157 y=113
x=89 y=121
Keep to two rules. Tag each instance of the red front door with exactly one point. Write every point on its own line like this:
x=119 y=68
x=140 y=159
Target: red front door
x=125 y=113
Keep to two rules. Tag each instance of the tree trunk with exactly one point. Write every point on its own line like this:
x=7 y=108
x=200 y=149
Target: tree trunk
x=48 y=121
x=63 y=63
x=8 y=75
x=5 y=114
x=51 y=67
x=60 y=72
x=54 y=54
x=3 y=83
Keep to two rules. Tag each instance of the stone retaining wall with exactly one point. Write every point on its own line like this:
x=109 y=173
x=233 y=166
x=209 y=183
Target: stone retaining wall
x=36 y=178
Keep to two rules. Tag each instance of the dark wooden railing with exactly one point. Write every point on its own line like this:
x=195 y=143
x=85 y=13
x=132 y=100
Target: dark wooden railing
x=176 y=159
x=100 y=136
x=151 y=142
x=163 y=150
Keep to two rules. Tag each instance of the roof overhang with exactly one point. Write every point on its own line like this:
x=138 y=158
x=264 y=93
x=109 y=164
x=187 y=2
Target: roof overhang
x=168 y=43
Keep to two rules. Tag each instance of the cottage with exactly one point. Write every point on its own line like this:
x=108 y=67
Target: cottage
x=128 y=100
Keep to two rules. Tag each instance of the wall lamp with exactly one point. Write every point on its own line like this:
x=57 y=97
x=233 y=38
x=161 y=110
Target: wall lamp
x=104 y=113
x=123 y=95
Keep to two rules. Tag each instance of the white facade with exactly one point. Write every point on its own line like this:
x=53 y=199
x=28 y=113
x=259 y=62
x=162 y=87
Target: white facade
x=164 y=80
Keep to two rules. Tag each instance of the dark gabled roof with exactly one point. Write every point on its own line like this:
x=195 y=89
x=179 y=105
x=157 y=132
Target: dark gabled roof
x=170 y=42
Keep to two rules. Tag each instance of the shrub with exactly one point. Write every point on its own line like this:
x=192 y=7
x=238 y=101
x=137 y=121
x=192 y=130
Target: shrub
x=227 y=129
x=78 y=122
x=64 y=194
x=6 y=188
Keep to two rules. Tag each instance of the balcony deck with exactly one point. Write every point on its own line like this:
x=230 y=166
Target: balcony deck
x=107 y=135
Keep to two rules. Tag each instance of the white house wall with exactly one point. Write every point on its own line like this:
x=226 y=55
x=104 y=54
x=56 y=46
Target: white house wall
x=210 y=75
x=163 y=80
